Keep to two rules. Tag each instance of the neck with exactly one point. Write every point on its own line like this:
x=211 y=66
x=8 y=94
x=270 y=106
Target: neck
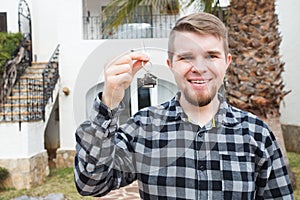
x=200 y=115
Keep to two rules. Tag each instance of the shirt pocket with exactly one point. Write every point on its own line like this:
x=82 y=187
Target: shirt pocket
x=238 y=176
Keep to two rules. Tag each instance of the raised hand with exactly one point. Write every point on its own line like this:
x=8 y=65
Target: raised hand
x=118 y=76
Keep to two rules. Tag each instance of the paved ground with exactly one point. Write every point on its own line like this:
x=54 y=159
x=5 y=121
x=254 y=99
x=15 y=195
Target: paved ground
x=130 y=192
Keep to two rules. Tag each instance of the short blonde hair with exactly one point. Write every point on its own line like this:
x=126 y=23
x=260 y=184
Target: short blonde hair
x=201 y=23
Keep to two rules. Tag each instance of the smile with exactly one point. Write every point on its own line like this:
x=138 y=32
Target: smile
x=199 y=81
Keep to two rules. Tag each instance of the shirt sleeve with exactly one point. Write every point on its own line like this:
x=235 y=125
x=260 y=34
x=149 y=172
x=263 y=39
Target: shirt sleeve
x=103 y=161
x=273 y=180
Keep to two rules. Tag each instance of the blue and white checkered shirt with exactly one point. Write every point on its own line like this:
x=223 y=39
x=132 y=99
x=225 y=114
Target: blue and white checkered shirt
x=235 y=156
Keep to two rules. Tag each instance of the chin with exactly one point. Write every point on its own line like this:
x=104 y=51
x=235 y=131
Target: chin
x=199 y=100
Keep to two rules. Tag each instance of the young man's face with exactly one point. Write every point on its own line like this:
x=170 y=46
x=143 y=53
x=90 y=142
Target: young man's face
x=199 y=64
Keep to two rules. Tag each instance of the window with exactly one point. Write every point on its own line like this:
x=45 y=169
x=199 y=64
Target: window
x=3 y=22
x=143 y=97
x=136 y=97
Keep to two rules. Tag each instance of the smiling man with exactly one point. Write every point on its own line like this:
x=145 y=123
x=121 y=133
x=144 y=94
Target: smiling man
x=195 y=146
x=199 y=65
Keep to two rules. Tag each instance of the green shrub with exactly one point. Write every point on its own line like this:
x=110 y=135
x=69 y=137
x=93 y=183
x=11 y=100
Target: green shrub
x=8 y=43
x=3 y=175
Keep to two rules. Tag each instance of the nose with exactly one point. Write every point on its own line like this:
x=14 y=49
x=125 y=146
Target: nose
x=200 y=64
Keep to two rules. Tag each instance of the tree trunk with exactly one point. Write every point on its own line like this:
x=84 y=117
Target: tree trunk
x=253 y=81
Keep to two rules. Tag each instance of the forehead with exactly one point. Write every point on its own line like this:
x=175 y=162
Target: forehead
x=190 y=41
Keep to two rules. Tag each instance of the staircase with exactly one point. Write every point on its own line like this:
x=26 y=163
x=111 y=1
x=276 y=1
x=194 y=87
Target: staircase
x=26 y=103
x=31 y=92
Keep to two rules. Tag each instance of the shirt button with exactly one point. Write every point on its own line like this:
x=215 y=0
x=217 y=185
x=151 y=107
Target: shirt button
x=200 y=134
x=202 y=167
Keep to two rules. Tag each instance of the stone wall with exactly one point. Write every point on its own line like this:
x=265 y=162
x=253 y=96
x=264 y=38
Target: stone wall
x=291 y=135
x=64 y=158
x=26 y=172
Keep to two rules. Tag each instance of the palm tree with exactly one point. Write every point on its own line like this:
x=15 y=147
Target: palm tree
x=116 y=11
x=254 y=82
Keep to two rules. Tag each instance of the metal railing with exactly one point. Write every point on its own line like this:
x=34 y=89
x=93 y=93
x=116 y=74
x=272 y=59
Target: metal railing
x=50 y=76
x=144 y=26
x=31 y=93
x=14 y=68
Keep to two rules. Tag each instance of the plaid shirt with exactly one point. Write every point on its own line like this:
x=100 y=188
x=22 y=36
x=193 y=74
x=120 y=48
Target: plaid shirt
x=235 y=156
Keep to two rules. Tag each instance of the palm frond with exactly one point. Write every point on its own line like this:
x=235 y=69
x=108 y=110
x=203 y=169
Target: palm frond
x=116 y=11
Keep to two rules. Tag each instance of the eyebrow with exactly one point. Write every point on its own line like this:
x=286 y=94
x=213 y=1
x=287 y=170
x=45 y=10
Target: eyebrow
x=214 y=52
x=183 y=54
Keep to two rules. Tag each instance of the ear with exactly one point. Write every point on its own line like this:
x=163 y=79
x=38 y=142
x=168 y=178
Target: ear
x=169 y=63
x=229 y=58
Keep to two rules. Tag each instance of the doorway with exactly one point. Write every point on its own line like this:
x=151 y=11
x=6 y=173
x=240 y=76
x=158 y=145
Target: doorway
x=52 y=135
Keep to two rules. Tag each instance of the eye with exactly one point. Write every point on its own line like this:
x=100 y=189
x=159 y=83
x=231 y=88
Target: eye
x=185 y=58
x=212 y=56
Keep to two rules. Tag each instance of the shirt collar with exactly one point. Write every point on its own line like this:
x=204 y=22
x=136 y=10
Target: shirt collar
x=224 y=116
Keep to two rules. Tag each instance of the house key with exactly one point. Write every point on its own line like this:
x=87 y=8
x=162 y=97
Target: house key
x=149 y=80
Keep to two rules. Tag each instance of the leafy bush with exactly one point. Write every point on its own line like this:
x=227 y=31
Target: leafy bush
x=8 y=43
x=3 y=175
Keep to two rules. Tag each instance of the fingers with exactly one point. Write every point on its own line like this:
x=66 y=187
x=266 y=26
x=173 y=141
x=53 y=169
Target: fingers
x=139 y=59
x=129 y=63
x=139 y=56
x=119 y=74
x=131 y=58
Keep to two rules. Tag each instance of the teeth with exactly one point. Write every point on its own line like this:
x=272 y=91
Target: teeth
x=199 y=81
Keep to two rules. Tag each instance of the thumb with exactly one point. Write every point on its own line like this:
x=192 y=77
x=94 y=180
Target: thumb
x=138 y=65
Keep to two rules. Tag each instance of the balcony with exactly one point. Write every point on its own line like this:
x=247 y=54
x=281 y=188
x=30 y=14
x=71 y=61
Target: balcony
x=143 y=26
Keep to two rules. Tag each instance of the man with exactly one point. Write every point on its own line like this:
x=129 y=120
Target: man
x=195 y=146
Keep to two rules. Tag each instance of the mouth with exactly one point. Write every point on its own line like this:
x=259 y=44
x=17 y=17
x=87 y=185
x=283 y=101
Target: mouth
x=199 y=82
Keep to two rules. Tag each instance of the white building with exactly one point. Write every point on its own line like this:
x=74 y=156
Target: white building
x=83 y=52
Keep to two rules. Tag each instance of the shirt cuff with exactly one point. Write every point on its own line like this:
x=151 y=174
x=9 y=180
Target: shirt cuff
x=104 y=115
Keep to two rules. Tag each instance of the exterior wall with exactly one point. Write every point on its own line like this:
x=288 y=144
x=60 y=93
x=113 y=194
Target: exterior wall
x=289 y=19
x=26 y=172
x=21 y=144
x=64 y=158
x=11 y=8
x=73 y=53
x=45 y=30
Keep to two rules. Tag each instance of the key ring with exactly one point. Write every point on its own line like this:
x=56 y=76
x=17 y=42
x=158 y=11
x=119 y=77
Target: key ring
x=143 y=66
x=149 y=80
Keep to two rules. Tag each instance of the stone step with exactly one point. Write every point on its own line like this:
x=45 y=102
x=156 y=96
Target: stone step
x=19 y=110
x=23 y=85
x=20 y=118
x=26 y=94
x=18 y=105
x=38 y=64
x=39 y=68
x=26 y=90
x=31 y=77
x=22 y=113
x=31 y=83
x=35 y=76
x=24 y=97
x=37 y=71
